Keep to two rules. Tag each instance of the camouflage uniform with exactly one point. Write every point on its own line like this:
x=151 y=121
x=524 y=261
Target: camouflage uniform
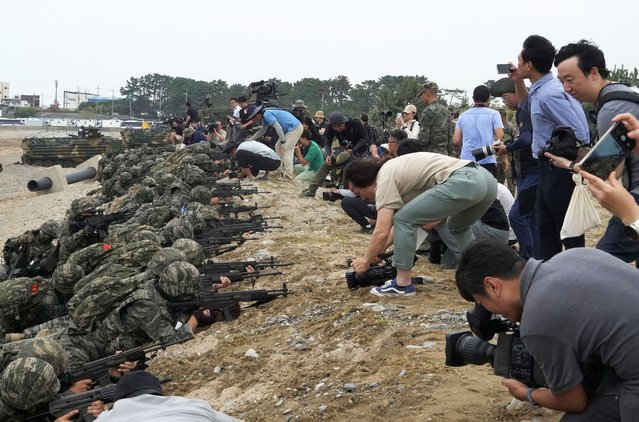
x=510 y=134
x=71 y=237
x=46 y=349
x=35 y=246
x=435 y=132
x=143 y=314
x=21 y=303
x=25 y=383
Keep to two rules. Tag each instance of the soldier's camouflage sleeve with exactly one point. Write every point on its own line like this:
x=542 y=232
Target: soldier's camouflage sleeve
x=155 y=320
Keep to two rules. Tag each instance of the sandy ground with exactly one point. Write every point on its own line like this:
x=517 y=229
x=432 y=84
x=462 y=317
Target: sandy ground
x=324 y=353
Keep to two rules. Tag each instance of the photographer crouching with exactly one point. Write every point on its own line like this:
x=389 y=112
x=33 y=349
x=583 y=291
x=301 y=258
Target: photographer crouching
x=411 y=191
x=598 y=319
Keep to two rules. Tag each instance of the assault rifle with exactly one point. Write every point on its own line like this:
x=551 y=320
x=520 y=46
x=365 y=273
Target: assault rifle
x=97 y=224
x=237 y=229
x=221 y=191
x=80 y=401
x=98 y=370
x=210 y=278
x=225 y=301
x=223 y=267
x=228 y=209
x=219 y=244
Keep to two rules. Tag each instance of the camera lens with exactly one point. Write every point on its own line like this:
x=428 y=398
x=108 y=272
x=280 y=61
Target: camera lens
x=623 y=138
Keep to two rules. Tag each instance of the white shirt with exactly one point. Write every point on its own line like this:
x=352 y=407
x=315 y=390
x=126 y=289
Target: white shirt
x=411 y=129
x=148 y=407
x=236 y=112
x=259 y=149
x=506 y=200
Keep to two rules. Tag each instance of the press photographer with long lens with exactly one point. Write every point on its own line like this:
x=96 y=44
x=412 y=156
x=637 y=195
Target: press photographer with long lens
x=570 y=315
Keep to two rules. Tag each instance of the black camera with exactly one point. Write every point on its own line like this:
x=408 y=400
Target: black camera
x=562 y=143
x=385 y=115
x=483 y=152
x=264 y=92
x=509 y=357
x=331 y=196
x=377 y=274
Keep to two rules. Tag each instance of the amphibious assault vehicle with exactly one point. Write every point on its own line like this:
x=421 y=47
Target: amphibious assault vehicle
x=68 y=150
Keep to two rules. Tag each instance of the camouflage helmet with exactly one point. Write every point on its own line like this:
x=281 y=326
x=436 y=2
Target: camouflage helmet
x=164 y=257
x=144 y=195
x=193 y=175
x=48 y=230
x=192 y=250
x=47 y=350
x=166 y=179
x=80 y=205
x=125 y=177
x=148 y=181
x=180 y=279
x=176 y=229
x=200 y=194
x=202 y=159
x=188 y=159
x=65 y=277
x=136 y=170
x=28 y=381
x=146 y=235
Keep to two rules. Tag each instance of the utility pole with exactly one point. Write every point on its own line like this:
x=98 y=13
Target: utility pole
x=112 y=99
x=186 y=96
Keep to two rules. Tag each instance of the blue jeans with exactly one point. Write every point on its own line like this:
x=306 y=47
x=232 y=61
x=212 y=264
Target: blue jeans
x=523 y=218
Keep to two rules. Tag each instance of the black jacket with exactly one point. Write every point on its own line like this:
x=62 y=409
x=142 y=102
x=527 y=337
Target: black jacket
x=353 y=137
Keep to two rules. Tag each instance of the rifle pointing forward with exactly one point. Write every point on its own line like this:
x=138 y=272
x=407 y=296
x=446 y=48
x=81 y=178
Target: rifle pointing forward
x=224 y=267
x=224 y=301
x=98 y=370
x=209 y=279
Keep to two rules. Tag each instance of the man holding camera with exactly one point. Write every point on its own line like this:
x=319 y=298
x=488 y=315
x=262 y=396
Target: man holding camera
x=525 y=169
x=351 y=137
x=550 y=107
x=598 y=323
x=478 y=127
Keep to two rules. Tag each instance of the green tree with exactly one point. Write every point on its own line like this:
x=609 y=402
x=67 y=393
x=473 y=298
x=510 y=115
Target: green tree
x=625 y=76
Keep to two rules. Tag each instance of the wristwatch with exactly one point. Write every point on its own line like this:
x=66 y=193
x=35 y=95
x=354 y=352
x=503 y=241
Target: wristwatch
x=529 y=398
x=632 y=230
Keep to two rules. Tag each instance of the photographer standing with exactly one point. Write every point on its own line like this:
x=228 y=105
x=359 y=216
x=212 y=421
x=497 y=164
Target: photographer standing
x=352 y=138
x=477 y=128
x=525 y=169
x=408 y=122
x=550 y=107
x=598 y=321
x=288 y=130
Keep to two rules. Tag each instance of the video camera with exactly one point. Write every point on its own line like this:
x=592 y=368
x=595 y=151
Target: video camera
x=264 y=92
x=509 y=357
x=331 y=196
x=377 y=274
x=483 y=152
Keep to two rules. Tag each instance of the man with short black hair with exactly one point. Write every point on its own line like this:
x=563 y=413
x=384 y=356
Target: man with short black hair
x=478 y=127
x=597 y=320
x=550 y=107
x=581 y=67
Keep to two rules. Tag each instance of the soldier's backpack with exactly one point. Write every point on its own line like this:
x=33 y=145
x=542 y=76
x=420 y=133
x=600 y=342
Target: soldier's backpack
x=96 y=299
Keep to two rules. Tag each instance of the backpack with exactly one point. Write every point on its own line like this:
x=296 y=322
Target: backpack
x=95 y=300
x=632 y=97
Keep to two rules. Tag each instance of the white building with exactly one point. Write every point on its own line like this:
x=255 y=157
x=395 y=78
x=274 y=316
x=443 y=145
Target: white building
x=4 y=91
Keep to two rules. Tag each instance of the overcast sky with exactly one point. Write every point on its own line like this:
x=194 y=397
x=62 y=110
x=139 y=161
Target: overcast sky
x=88 y=44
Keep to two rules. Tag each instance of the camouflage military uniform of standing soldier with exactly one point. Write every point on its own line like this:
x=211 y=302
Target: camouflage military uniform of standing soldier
x=504 y=171
x=435 y=132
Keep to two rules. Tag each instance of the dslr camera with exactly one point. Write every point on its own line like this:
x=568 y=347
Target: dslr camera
x=509 y=357
x=377 y=274
x=331 y=196
x=483 y=152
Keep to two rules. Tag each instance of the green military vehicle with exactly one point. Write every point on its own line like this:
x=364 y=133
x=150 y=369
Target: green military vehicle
x=68 y=150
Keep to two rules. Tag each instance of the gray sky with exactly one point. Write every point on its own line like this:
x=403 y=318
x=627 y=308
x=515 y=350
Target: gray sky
x=455 y=43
